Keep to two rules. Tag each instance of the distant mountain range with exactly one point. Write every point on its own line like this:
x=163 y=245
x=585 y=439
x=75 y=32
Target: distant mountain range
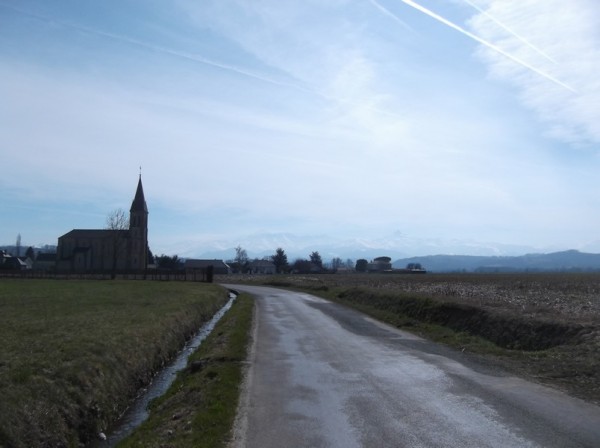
x=398 y=246
x=565 y=261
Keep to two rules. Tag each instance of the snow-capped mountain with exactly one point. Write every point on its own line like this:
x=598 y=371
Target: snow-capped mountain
x=396 y=245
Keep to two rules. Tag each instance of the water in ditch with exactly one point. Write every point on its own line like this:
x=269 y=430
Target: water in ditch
x=138 y=411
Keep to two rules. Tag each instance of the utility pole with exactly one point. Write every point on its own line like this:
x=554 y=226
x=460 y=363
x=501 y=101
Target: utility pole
x=19 y=245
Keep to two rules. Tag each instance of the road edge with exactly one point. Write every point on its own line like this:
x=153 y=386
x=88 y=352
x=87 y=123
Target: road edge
x=240 y=424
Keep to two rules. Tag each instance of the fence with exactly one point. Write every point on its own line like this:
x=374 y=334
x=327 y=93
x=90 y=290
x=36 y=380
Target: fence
x=193 y=275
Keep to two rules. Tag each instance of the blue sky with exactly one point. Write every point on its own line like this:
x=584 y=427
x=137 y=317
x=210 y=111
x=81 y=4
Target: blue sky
x=422 y=125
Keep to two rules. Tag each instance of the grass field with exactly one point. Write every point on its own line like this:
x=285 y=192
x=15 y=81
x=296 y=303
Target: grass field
x=74 y=353
x=542 y=326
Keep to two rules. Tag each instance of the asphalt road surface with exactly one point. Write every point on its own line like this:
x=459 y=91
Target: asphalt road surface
x=321 y=375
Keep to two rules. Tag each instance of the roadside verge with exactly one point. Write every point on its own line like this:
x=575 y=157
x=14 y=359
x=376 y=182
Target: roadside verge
x=199 y=408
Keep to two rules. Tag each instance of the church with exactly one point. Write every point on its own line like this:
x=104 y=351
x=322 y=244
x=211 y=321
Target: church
x=85 y=250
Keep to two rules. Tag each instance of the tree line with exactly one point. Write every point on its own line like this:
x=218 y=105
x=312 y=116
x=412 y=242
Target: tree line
x=241 y=262
x=313 y=263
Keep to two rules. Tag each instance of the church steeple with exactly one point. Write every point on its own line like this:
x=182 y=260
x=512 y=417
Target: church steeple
x=139 y=201
x=138 y=229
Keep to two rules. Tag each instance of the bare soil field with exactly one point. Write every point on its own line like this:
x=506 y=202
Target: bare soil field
x=542 y=326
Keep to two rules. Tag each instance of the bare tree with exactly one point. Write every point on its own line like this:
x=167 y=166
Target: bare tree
x=241 y=259
x=117 y=222
x=169 y=262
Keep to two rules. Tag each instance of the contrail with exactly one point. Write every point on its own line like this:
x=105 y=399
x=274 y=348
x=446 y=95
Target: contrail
x=160 y=49
x=389 y=14
x=486 y=43
x=510 y=31
x=194 y=58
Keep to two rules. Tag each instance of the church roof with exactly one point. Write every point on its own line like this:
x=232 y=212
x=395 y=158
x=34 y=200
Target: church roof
x=139 y=201
x=91 y=233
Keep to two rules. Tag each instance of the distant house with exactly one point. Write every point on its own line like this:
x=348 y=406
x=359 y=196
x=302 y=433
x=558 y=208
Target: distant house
x=45 y=262
x=7 y=261
x=306 y=267
x=380 y=264
x=4 y=257
x=219 y=266
x=14 y=263
x=262 y=267
x=26 y=261
x=107 y=249
x=17 y=263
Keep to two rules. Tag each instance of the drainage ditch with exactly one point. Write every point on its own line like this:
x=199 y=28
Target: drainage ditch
x=137 y=413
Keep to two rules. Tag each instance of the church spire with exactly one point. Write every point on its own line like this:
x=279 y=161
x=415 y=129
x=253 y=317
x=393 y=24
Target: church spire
x=138 y=229
x=139 y=201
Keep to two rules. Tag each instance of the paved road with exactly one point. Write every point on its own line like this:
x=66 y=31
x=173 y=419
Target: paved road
x=321 y=375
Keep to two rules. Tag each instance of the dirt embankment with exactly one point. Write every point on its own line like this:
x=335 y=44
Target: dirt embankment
x=556 y=352
x=504 y=329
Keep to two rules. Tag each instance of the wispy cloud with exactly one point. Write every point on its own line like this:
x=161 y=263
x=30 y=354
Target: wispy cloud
x=161 y=49
x=458 y=28
x=388 y=13
x=327 y=53
x=511 y=31
x=570 y=31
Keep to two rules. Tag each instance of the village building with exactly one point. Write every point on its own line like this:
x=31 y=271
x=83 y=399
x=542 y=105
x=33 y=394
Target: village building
x=82 y=250
x=45 y=261
x=10 y=262
x=265 y=267
x=193 y=266
x=380 y=264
